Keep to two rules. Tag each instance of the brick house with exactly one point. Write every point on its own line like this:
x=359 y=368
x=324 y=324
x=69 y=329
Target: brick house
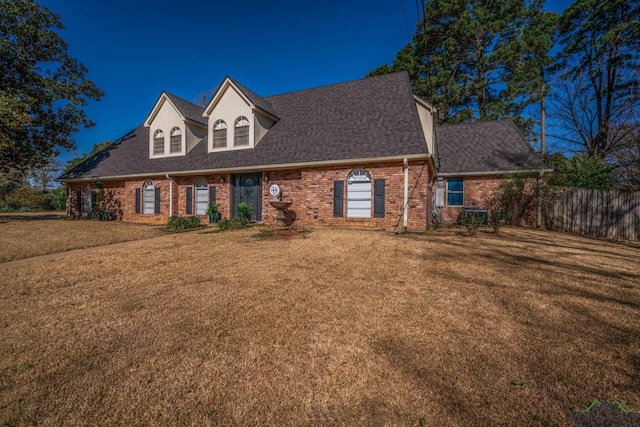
x=362 y=153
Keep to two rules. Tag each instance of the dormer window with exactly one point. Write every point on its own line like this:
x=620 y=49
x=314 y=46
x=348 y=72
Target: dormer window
x=241 y=132
x=220 y=134
x=176 y=141
x=158 y=142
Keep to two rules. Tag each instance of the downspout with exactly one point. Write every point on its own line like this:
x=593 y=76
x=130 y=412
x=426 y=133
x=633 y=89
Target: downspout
x=170 y=195
x=405 y=218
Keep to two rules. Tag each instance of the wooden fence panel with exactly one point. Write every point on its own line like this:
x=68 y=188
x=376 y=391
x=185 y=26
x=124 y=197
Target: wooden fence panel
x=602 y=213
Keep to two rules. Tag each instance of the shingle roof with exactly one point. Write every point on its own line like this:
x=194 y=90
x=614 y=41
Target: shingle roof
x=187 y=109
x=494 y=146
x=362 y=119
x=256 y=99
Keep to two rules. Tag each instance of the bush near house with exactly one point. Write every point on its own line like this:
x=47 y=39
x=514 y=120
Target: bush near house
x=179 y=223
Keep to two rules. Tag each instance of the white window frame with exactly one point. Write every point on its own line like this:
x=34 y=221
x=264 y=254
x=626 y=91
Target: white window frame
x=359 y=198
x=220 y=132
x=175 y=132
x=202 y=196
x=241 y=126
x=158 y=136
x=148 y=198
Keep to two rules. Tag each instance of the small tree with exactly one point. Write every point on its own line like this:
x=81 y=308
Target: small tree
x=515 y=198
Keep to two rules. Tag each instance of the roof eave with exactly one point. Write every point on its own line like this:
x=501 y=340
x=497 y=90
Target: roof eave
x=264 y=168
x=499 y=172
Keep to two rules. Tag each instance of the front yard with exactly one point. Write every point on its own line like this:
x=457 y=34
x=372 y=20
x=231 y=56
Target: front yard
x=25 y=235
x=343 y=327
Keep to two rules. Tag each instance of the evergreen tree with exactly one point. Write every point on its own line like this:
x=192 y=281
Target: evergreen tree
x=469 y=60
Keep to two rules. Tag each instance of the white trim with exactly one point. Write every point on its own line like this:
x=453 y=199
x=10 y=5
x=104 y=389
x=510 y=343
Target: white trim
x=453 y=175
x=259 y=168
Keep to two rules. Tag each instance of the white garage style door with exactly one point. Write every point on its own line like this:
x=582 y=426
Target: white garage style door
x=359 y=194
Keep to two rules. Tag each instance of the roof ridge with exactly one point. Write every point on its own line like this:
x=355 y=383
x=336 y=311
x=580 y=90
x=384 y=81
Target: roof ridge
x=336 y=84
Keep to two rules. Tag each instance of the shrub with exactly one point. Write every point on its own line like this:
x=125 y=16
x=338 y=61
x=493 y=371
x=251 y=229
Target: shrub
x=243 y=210
x=515 y=199
x=59 y=198
x=472 y=220
x=179 y=223
x=497 y=218
x=233 y=223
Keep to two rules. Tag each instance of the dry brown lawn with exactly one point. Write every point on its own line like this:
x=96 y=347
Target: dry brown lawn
x=25 y=235
x=343 y=327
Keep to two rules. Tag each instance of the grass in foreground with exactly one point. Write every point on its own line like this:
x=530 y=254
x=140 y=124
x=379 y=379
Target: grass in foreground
x=24 y=236
x=340 y=328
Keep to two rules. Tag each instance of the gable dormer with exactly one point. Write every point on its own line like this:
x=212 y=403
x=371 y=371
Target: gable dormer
x=237 y=117
x=175 y=127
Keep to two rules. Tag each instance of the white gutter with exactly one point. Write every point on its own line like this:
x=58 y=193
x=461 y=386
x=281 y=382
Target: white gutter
x=456 y=174
x=405 y=217
x=170 y=195
x=264 y=168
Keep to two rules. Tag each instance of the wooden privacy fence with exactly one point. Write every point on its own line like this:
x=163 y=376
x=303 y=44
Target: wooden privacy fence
x=602 y=213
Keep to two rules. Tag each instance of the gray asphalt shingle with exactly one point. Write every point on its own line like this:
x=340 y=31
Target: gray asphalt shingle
x=362 y=119
x=495 y=146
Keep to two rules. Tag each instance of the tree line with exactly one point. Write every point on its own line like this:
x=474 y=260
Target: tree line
x=479 y=60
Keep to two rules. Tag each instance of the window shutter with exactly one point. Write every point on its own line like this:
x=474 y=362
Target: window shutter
x=378 y=198
x=79 y=201
x=94 y=197
x=137 y=200
x=157 y=200
x=338 y=198
x=189 y=201
x=212 y=194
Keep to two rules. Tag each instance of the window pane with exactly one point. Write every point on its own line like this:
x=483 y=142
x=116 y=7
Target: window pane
x=202 y=200
x=158 y=146
x=148 y=200
x=455 y=199
x=456 y=185
x=220 y=138
x=176 y=144
x=242 y=135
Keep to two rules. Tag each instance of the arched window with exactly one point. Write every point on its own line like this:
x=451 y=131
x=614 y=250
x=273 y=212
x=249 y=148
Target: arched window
x=202 y=197
x=176 y=140
x=87 y=205
x=219 y=134
x=359 y=194
x=158 y=142
x=148 y=197
x=241 y=132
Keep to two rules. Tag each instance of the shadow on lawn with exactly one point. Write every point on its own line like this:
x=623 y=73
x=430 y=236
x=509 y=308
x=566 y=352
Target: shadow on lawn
x=31 y=216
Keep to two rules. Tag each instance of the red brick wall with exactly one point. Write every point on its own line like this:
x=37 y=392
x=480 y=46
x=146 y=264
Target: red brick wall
x=312 y=192
x=310 y=188
x=477 y=192
x=222 y=182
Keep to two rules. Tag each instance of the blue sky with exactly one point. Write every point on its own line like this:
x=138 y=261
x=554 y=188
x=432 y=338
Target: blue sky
x=136 y=49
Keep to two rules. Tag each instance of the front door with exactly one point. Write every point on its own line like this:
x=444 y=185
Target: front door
x=247 y=188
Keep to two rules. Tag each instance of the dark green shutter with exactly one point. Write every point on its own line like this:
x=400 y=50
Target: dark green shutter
x=189 y=201
x=338 y=198
x=212 y=194
x=157 y=200
x=137 y=200
x=94 y=197
x=378 y=198
x=79 y=201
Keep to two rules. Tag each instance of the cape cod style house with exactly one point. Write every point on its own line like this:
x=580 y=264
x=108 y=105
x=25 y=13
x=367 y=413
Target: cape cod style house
x=363 y=153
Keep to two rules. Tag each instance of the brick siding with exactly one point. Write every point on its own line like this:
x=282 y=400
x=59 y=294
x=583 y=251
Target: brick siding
x=310 y=188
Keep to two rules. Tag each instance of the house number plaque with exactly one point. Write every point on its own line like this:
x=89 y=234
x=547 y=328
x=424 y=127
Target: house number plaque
x=274 y=190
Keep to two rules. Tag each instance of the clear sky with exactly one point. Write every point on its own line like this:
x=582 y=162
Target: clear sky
x=135 y=49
